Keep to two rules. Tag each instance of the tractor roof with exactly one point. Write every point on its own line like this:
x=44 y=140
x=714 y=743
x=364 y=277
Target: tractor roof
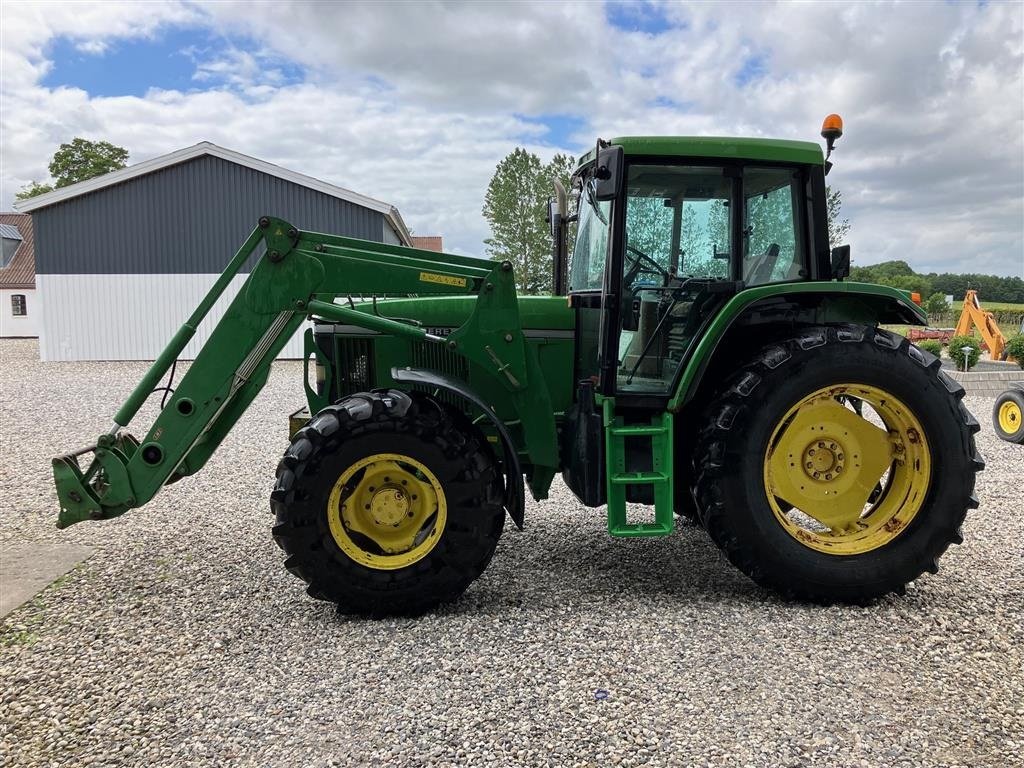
x=771 y=150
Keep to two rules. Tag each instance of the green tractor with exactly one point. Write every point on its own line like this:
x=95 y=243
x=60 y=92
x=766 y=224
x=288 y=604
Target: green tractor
x=703 y=357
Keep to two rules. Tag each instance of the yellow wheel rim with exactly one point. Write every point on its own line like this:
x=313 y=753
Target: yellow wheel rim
x=387 y=511
x=847 y=469
x=1009 y=417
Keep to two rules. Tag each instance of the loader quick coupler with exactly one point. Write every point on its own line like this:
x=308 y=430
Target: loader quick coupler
x=103 y=490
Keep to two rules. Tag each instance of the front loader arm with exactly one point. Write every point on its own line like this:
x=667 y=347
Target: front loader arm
x=299 y=275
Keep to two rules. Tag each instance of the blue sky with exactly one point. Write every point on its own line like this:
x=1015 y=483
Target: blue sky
x=416 y=103
x=173 y=58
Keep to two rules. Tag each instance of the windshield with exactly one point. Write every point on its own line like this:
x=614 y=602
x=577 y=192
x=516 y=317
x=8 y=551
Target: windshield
x=588 y=257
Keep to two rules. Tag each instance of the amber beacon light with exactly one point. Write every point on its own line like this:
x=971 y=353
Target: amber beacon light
x=831 y=130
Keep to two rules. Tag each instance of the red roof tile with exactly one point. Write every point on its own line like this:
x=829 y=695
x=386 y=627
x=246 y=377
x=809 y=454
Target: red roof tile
x=21 y=272
x=428 y=243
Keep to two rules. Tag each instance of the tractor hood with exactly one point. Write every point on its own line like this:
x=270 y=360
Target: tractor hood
x=535 y=312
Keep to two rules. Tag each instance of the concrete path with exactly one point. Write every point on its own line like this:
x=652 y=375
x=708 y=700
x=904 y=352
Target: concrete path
x=25 y=569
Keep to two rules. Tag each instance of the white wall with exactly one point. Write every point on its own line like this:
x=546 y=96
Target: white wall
x=25 y=325
x=127 y=317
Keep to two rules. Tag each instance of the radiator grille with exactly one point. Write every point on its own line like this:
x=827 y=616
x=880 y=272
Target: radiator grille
x=354 y=369
x=437 y=357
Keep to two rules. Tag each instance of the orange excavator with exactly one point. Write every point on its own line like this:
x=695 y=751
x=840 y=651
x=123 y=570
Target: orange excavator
x=973 y=314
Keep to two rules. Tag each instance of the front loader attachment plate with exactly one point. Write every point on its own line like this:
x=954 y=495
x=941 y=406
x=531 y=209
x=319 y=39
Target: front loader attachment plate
x=103 y=490
x=77 y=500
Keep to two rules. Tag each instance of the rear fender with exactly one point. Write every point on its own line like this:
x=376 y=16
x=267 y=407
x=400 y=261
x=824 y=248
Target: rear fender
x=789 y=304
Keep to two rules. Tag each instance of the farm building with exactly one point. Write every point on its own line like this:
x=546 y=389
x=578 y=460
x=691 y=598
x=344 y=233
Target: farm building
x=122 y=259
x=19 y=307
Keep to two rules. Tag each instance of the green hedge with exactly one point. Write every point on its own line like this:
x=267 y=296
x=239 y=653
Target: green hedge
x=1015 y=349
x=958 y=355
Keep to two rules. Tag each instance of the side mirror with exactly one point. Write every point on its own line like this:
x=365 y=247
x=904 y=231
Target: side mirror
x=554 y=217
x=557 y=214
x=608 y=172
x=840 y=262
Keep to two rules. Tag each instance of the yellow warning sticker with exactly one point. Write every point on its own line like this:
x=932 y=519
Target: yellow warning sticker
x=431 y=277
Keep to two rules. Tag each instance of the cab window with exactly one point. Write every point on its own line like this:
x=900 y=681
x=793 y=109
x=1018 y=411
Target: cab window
x=773 y=248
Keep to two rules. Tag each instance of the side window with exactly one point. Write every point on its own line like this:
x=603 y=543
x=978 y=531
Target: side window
x=18 y=308
x=773 y=247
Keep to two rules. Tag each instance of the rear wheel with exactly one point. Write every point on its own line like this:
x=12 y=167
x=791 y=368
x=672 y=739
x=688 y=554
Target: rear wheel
x=1008 y=416
x=837 y=465
x=388 y=503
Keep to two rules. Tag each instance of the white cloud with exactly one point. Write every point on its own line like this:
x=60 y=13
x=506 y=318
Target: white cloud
x=416 y=103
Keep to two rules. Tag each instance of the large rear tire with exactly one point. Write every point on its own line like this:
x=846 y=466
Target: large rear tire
x=388 y=504
x=837 y=465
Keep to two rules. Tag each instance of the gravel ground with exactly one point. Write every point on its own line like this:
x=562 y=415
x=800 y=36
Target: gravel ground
x=183 y=641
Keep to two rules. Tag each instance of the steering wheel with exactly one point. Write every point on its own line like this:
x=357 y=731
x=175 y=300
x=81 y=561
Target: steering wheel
x=636 y=259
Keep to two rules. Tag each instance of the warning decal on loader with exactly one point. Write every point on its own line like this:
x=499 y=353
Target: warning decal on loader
x=431 y=277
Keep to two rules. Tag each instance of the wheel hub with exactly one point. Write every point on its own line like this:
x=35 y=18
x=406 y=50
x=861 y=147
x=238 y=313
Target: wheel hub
x=823 y=460
x=856 y=485
x=1009 y=417
x=387 y=511
x=389 y=506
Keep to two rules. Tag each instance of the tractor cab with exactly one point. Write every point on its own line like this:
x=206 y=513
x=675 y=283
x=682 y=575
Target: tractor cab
x=669 y=230
x=668 y=238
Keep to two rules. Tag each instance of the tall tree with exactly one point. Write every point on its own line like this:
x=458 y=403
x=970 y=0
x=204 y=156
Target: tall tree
x=838 y=228
x=77 y=161
x=32 y=189
x=515 y=206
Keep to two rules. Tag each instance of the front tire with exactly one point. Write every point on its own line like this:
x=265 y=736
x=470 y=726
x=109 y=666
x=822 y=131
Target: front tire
x=388 y=504
x=837 y=465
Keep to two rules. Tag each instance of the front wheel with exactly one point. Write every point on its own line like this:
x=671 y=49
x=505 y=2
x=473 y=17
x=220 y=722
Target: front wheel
x=388 y=504
x=837 y=465
x=1008 y=415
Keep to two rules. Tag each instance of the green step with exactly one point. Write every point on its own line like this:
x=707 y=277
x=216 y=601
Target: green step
x=636 y=429
x=660 y=478
x=639 y=478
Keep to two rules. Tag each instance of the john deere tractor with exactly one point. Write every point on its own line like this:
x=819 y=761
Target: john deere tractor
x=703 y=357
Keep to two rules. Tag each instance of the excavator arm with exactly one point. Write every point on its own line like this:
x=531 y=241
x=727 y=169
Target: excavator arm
x=973 y=314
x=299 y=275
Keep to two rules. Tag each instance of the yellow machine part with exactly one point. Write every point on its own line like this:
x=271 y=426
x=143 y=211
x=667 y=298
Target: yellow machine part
x=973 y=315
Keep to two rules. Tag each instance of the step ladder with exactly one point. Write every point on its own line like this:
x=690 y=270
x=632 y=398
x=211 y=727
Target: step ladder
x=660 y=477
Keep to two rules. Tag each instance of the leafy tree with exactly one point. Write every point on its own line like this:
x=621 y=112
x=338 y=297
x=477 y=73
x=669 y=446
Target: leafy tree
x=80 y=160
x=32 y=189
x=917 y=283
x=936 y=304
x=1015 y=349
x=965 y=351
x=515 y=206
x=838 y=228
x=83 y=159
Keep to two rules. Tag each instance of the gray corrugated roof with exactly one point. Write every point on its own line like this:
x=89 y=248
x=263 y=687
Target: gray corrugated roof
x=10 y=232
x=206 y=148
